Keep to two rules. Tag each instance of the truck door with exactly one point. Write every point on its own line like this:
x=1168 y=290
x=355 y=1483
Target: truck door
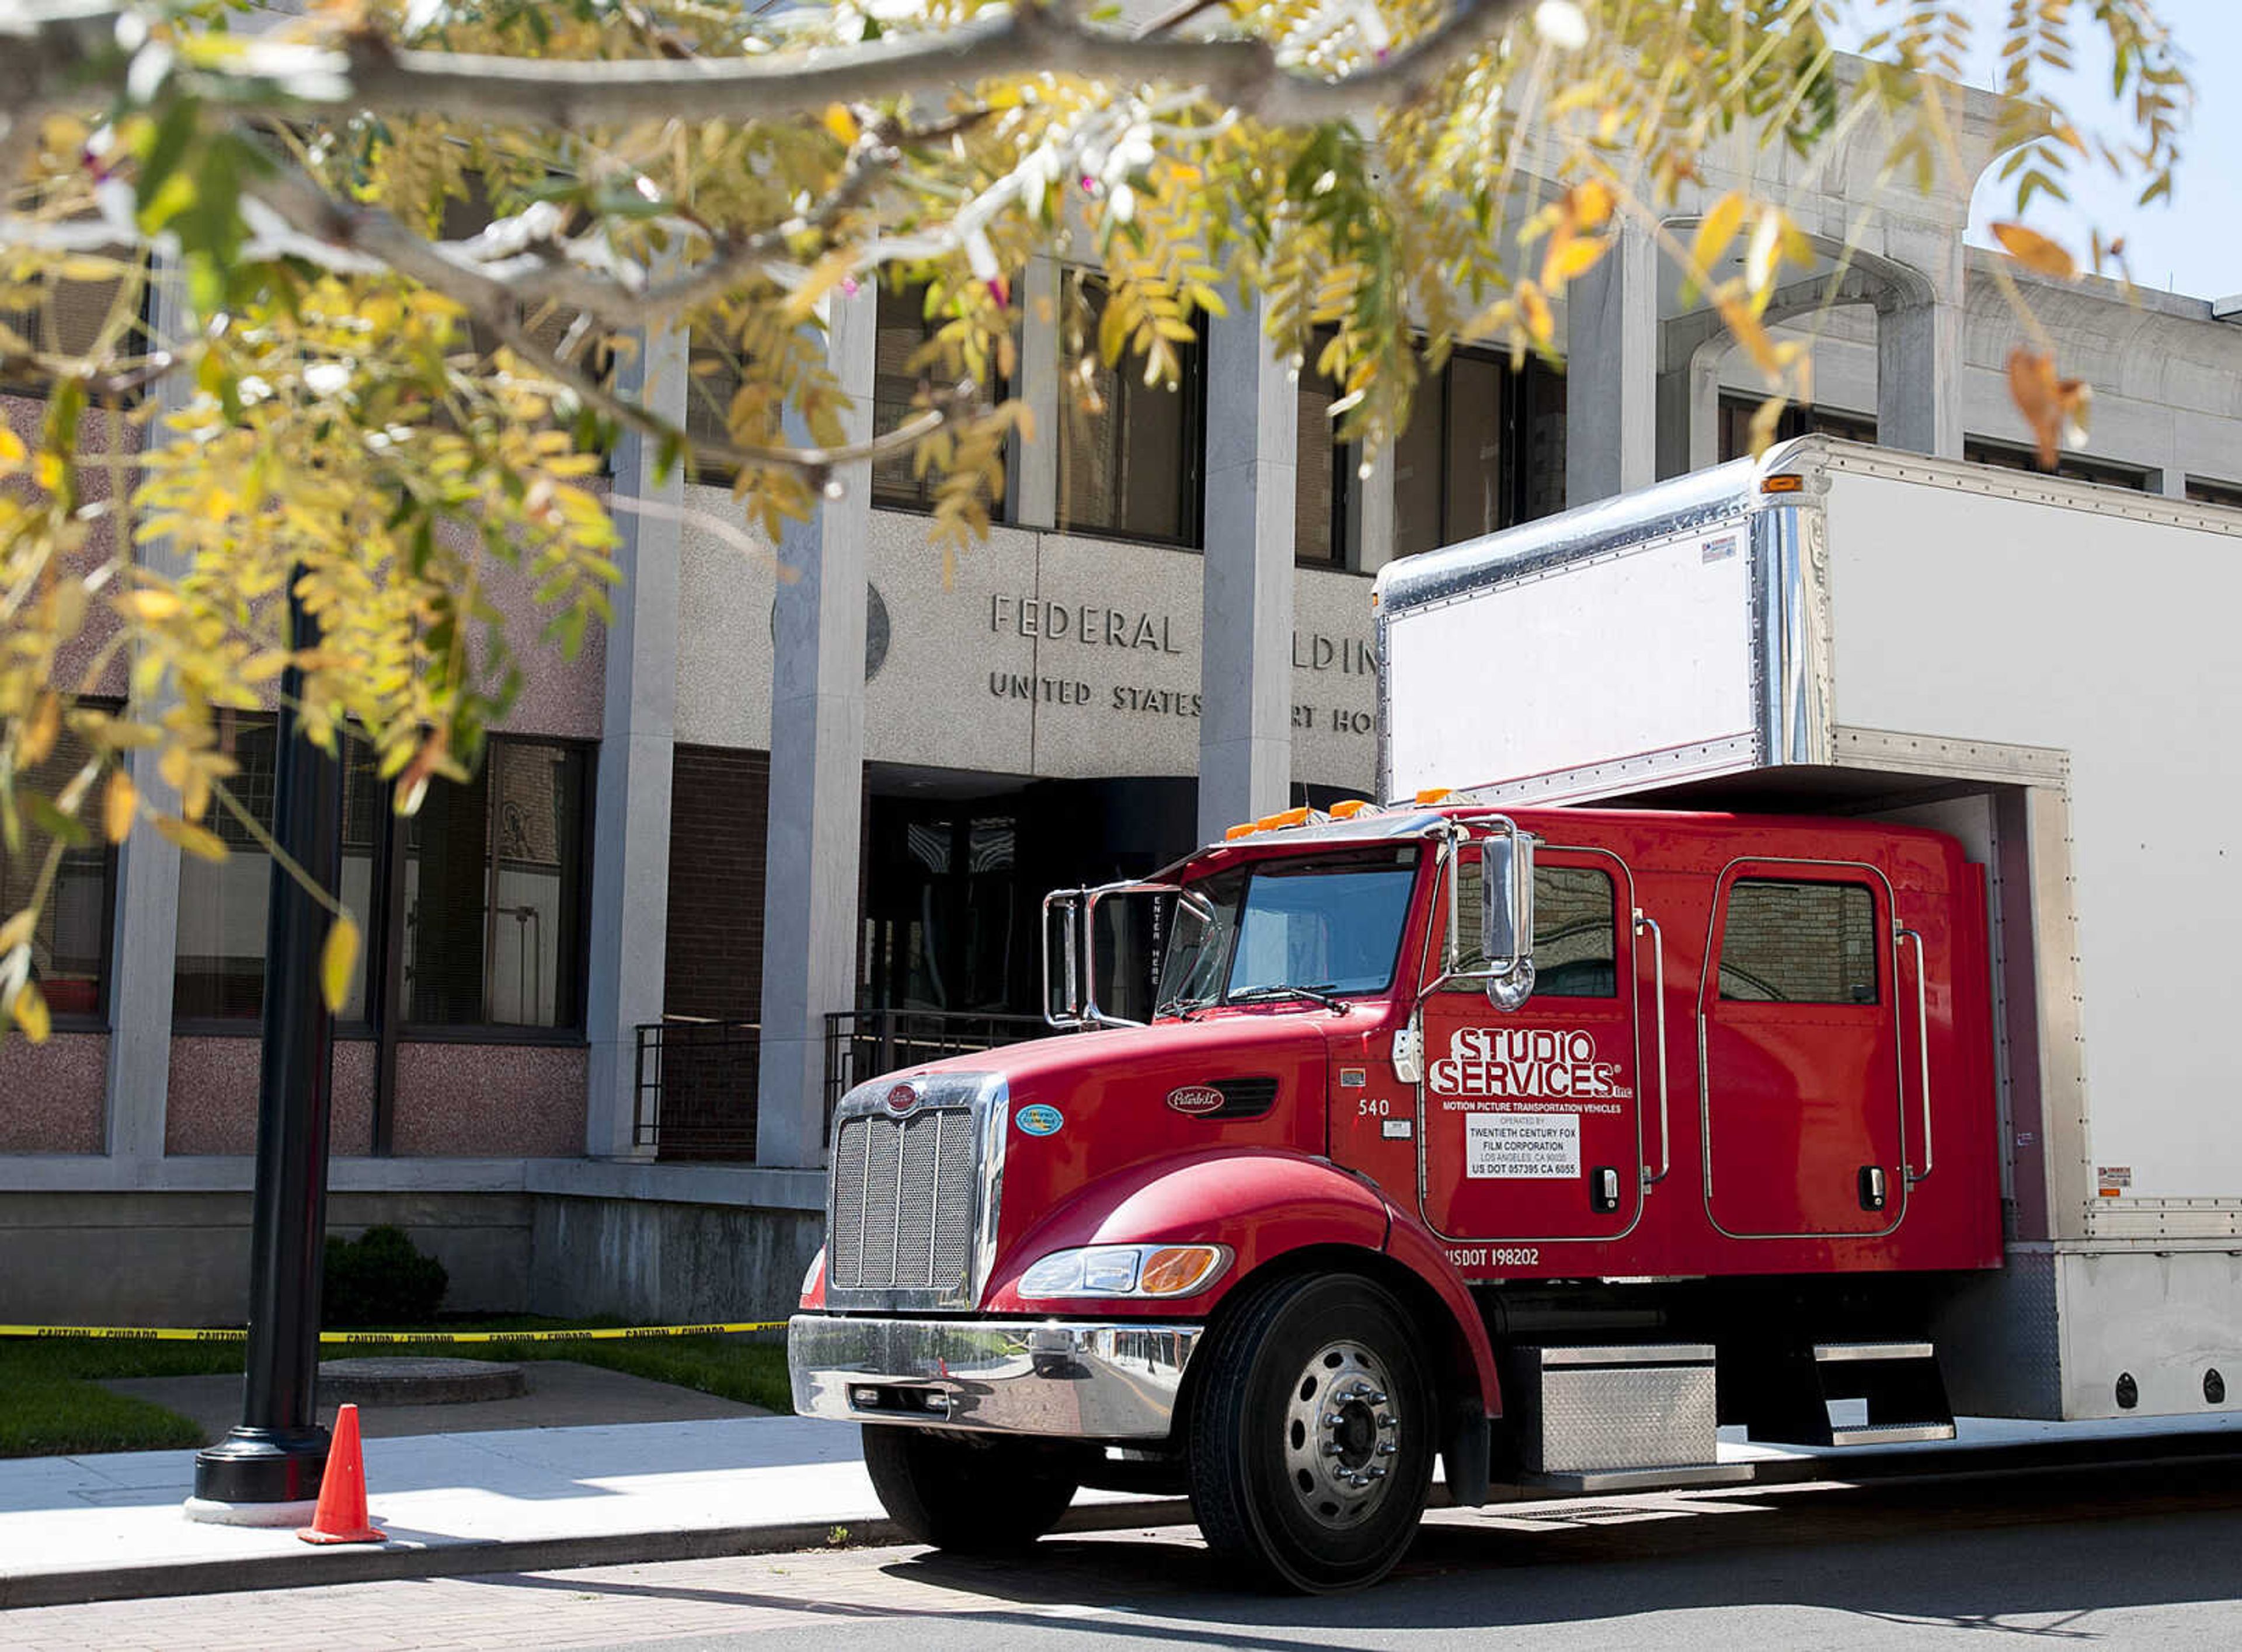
x=1531 y=1129
x=1798 y=1053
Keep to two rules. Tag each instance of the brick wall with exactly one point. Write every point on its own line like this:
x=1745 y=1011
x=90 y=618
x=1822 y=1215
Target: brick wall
x=719 y=810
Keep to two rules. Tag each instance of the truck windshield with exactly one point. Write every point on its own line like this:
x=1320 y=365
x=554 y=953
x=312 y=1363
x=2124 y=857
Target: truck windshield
x=1330 y=923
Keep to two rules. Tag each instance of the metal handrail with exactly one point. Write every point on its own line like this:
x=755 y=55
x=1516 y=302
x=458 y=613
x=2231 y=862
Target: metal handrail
x=1921 y=1048
x=1658 y=990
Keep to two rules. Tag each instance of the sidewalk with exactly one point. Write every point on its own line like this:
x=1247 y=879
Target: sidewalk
x=110 y=1528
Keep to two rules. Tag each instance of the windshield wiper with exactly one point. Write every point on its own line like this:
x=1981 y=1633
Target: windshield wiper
x=1286 y=989
x=1184 y=1009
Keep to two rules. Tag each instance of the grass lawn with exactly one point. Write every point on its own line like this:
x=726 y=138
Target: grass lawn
x=52 y=1403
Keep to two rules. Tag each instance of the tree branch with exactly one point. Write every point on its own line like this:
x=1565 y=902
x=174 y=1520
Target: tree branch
x=312 y=211
x=65 y=49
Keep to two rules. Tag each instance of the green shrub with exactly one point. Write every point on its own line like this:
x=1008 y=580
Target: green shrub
x=380 y=1279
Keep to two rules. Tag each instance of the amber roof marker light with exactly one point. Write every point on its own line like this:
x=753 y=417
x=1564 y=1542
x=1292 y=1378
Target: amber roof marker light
x=1787 y=481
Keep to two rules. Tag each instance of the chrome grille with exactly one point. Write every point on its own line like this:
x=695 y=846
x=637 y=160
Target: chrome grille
x=902 y=1202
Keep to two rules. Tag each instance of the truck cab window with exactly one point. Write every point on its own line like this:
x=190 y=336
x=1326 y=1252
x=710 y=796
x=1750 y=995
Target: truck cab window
x=1330 y=922
x=1799 y=942
x=1575 y=932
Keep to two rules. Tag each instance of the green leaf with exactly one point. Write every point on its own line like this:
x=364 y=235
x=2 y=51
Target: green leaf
x=167 y=146
x=50 y=820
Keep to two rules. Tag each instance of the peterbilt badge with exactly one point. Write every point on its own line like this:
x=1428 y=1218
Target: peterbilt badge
x=1196 y=1099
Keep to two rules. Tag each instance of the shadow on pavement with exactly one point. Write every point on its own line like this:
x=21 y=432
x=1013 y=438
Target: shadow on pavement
x=1982 y=1553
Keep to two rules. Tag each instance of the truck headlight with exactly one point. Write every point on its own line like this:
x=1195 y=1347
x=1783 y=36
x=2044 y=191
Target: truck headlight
x=1126 y=1270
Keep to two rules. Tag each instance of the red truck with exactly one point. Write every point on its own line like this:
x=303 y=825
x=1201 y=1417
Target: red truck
x=1539 y=1140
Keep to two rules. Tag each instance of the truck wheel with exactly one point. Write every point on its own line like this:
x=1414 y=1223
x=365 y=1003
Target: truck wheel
x=970 y=1494
x=1312 y=1439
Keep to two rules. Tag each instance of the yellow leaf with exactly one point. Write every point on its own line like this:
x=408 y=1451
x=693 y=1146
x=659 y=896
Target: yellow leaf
x=151 y=605
x=2055 y=408
x=1715 y=231
x=2036 y=252
x=1743 y=321
x=337 y=959
x=842 y=124
x=39 y=734
x=826 y=274
x=1591 y=202
x=265 y=665
x=29 y=1009
x=195 y=839
x=1534 y=307
x=17 y=931
x=1765 y=419
x=47 y=470
x=11 y=447
x=1572 y=257
x=120 y=803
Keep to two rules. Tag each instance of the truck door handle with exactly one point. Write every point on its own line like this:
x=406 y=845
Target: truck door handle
x=1921 y=1048
x=1603 y=1189
x=1658 y=1002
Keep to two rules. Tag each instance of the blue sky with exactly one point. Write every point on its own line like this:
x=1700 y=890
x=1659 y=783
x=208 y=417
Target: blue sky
x=2192 y=243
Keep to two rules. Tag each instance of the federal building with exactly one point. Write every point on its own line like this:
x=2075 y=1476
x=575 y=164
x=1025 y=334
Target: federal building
x=789 y=819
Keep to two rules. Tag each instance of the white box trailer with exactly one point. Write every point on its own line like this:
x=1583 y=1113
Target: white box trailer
x=2047 y=670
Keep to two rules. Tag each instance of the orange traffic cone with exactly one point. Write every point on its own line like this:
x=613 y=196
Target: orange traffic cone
x=340 y=1517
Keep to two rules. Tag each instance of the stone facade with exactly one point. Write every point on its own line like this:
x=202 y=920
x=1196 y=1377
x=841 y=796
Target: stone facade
x=726 y=880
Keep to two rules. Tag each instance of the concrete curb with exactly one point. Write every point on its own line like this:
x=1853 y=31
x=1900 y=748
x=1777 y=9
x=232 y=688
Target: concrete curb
x=317 y=1569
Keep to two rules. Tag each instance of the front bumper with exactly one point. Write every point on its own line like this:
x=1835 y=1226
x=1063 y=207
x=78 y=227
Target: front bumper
x=1065 y=1377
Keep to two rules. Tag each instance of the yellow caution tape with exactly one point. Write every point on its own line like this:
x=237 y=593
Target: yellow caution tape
x=376 y=1338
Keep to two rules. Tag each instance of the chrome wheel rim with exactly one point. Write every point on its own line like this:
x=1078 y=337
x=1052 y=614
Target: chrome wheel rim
x=1342 y=1432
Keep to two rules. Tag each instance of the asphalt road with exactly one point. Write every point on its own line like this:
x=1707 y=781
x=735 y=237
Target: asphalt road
x=2111 y=1558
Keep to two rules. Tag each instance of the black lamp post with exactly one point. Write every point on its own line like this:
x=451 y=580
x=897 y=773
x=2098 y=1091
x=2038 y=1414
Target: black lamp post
x=277 y=1454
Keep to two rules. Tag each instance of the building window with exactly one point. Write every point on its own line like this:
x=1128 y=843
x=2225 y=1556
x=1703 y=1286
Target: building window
x=1323 y=467
x=903 y=330
x=900 y=368
x=70 y=940
x=218 y=973
x=1799 y=942
x=1484 y=449
x=1129 y=465
x=491 y=877
x=2209 y=493
x=494 y=883
x=712 y=380
x=2069 y=467
x=1736 y=416
x=65 y=316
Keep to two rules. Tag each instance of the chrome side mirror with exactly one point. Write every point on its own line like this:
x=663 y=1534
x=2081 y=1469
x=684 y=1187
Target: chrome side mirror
x=1505 y=917
x=1071 y=997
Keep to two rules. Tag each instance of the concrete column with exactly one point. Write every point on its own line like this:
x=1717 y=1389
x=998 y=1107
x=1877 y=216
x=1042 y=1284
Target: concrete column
x=144 y=938
x=630 y=829
x=1370 y=513
x=1245 y=656
x=817 y=773
x=1033 y=465
x=1611 y=397
x=1919 y=366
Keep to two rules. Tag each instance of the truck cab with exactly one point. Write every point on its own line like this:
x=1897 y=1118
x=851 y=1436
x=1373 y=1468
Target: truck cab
x=1428 y=1115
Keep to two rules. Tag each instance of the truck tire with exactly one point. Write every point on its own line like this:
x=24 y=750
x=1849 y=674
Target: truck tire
x=1312 y=1439
x=970 y=1494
